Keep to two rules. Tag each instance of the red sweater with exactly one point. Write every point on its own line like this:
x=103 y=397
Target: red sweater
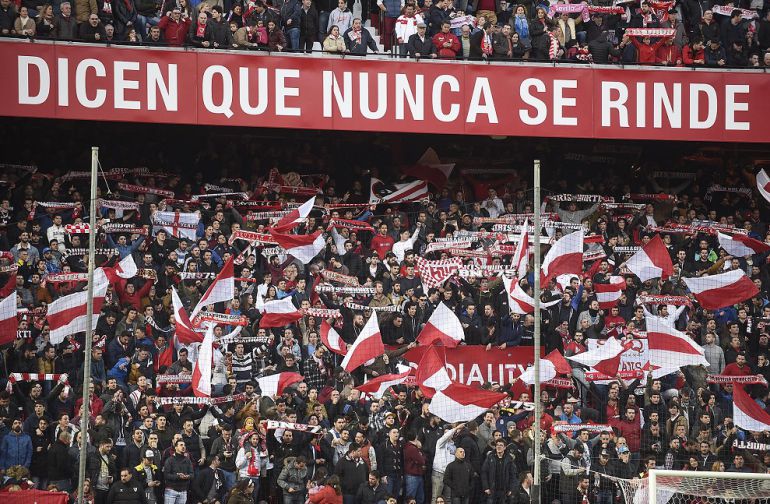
x=134 y=300
x=382 y=245
x=326 y=495
x=631 y=431
x=732 y=369
x=414 y=460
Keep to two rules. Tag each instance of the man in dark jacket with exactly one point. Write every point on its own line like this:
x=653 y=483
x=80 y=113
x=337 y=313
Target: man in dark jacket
x=7 y=17
x=601 y=50
x=208 y=485
x=308 y=26
x=498 y=475
x=458 y=477
x=60 y=463
x=66 y=25
x=290 y=18
x=127 y=490
x=358 y=39
x=390 y=455
x=125 y=18
x=371 y=492
x=100 y=467
x=522 y=495
x=420 y=45
x=352 y=472
x=220 y=30
x=177 y=471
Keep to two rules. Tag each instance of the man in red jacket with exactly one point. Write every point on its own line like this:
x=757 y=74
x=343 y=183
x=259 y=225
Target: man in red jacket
x=669 y=54
x=446 y=42
x=645 y=49
x=174 y=27
x=414 y=468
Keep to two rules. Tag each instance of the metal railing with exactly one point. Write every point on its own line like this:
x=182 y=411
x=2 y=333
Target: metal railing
x=393 y=54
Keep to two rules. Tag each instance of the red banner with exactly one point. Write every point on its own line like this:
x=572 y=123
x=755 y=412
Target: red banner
x=474 y=365
x=123 y=83
x=35 y=497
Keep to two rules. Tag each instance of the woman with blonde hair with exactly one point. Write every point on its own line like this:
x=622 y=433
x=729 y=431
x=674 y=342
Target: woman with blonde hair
x=46 y=24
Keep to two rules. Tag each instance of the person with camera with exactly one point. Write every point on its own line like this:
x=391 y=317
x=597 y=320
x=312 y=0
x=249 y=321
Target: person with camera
x=101 y=469
x=226 y=449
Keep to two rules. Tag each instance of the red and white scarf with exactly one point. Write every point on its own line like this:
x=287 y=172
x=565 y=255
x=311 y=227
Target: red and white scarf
x=435 y=273
x=145 y=190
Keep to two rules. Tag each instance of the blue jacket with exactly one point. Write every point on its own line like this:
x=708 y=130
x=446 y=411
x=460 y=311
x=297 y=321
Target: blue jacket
x=125 y=250
x=510 y=333
x=16 y=449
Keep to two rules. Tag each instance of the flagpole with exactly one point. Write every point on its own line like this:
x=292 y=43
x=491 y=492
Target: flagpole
x=86 y=410
x=536 y=296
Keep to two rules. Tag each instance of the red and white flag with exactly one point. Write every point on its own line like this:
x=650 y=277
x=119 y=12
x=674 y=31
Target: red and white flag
x=431 y=373
x=564 y=257
x=671 y=349
x=434 y=273
x=604 y=358
x=747 y=414
x=463 y=403
x=430 y=168
x=295 y=217
x=740 y=245
x=368 y=346
x=552 y=364
x=443 y=326
x=67 y=315
x=331 y=339
x=376 y=387
x=302 y=247
x=609 y=294
x=519 y=301
x=275 y=384
x=9 y=324
x=178 y=225
x=278 y=313
x=185 y=334
x=520 y=261
x=222 y=289
x=201 y=378
x=407 y=192
x=124 y=269
x=652 y=261
x=763 y=184
x=725 y=289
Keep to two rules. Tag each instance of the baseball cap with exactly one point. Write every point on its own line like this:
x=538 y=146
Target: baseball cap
x=421 y=25
x=605 y=453
x=149 y=454
x=623 y=449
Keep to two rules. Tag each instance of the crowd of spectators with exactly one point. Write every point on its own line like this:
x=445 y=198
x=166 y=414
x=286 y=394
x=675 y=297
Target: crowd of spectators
x=367 y=451
x=696 y=32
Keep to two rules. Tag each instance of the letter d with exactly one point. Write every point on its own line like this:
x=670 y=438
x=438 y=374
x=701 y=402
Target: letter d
x=45 y=80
